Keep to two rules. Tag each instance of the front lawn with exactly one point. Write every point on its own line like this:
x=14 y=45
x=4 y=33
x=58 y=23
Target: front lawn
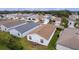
x=52 y=44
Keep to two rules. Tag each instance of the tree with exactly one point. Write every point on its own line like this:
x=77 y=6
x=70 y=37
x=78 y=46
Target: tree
x=14 y=44
x=10 y=41
x=64 y=22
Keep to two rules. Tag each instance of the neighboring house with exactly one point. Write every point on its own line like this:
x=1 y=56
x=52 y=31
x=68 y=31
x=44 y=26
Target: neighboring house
x=10 y=16
x=34 y=18
x=68 y=40
x=73 y=16
x=22 y=16
x=72 y=19
x=15 y=16
x=1 y=16
x=57 y=21
x=4 y=21
x=71 y=23
x=11 y=24
x=48 y=16
x=46 y=19
x=23 y=30
x=42 y=35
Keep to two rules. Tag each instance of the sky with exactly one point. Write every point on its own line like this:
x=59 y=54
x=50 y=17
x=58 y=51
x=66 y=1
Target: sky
x=39 y=9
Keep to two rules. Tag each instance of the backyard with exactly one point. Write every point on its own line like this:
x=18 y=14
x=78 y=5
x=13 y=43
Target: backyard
x=9 y=42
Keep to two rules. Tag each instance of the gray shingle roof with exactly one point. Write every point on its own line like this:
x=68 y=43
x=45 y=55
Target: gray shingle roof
x=26 y=27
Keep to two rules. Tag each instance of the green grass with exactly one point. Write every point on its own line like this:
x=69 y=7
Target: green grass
x=4 y=37
x=52 y=44
x=5 y=41
x=3 y=47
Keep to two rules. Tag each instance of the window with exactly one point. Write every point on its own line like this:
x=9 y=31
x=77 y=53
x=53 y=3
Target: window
x=33 y=19
x=29 y=19
x=30 y=37
x=18 y=34
x=41 y=41
x=70 y=23
x=5 y=28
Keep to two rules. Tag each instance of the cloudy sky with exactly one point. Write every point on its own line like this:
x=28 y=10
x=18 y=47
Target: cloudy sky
x=40 y=9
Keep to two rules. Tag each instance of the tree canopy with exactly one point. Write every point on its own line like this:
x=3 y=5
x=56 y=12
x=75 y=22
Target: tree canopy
x=65 y=13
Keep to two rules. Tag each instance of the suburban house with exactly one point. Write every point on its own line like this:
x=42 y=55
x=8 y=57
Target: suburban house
x=4 y=21
x=15 y=16
x=73 y=16
x=42 y=35
x=71 y=23
x=10 y=16
x=72 y=19
x=11 y=24
x=2 y=16
x=34 y=18
x=68 y=40
x=25 y=29
x=46 y=19
x=57 y=21
x=47 y=15
x=22 y=16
